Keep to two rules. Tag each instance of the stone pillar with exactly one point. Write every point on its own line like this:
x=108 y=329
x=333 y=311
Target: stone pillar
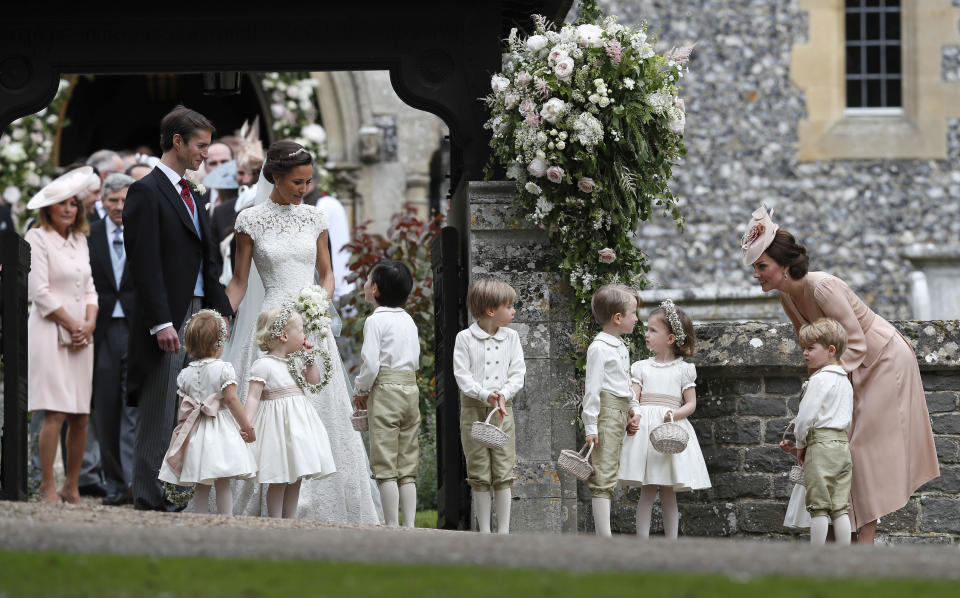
x=935 y=282
x=501 y=244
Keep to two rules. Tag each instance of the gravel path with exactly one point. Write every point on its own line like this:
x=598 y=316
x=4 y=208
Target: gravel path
x=91 y=528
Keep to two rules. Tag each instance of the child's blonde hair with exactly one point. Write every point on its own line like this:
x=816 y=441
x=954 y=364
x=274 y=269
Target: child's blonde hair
x=685 y=348
x=825 y=331
x=485 y=294
x=266 y=337
x=205 y=334
x=610 y=300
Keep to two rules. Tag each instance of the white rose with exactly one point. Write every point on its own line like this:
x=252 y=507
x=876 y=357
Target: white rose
x=52 y=119
x=537 y=167
x=527 y=106
x=18 y=134
x=11 y=195
x=533 y=188
x=557 y=53
x=314 y=133
x=555 y=174
x=541 y=137
x=586 y=184
x=277 y=110
x=590 y=35
x=13 y=152
x=564 y=68
x=499 y=83
x=535 y=43
x=553 y=109
x=594 y=98
x=523 y=78
x=561 y=145
x=510 y=100
x=607 y=255
x=604 y=102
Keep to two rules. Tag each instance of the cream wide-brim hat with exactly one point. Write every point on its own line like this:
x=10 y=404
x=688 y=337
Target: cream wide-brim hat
x=65 y=186
x=759 y=235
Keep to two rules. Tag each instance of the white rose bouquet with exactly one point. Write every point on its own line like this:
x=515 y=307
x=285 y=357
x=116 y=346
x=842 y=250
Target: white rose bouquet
x=313 y=303
x=588 y=121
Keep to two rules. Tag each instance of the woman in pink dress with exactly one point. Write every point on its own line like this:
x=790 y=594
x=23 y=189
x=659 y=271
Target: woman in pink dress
x=891 y=440
x=60 y=327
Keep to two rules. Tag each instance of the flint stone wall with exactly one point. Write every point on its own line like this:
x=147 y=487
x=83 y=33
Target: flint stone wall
x=749 y=377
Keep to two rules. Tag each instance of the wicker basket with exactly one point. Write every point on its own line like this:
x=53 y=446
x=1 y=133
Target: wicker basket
x=359 y=420
x=489 y=435
x=575 y=463
x=669 y=438
x=796 y=472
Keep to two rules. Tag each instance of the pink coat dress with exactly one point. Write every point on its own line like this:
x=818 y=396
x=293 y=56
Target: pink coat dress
x=59 y=378
x=891 y=440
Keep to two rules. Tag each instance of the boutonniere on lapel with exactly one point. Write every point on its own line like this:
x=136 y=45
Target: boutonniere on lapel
x=193 y=179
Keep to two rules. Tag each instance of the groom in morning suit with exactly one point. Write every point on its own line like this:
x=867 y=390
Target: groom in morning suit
x=172 y=258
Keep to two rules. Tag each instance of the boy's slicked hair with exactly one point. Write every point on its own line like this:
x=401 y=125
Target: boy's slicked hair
x=488 y=293
x=825 y=331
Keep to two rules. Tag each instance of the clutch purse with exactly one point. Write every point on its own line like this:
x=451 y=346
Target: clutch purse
x=64 y=336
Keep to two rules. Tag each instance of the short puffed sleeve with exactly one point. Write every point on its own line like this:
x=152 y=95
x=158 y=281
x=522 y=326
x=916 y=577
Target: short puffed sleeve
x=182 y=382
x=228 y=375
x=244 y=223
x=260 y=371
x=320 y=220
x=636 y=373
x=688 y=376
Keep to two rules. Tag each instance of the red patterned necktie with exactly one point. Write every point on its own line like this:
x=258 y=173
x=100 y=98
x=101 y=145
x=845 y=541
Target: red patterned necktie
x=185 y=194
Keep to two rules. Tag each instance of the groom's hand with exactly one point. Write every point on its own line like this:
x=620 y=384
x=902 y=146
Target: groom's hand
x=168 y=340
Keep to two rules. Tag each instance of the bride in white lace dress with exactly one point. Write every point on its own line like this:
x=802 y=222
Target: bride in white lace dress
x=287 y=241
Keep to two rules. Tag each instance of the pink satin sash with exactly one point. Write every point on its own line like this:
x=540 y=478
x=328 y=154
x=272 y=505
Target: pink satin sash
x=188 y=418
x=660 y=400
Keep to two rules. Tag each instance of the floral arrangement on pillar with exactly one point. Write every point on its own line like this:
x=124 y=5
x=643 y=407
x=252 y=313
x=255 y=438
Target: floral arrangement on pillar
x=294 y=112
x=26 y=150
x=586 y=118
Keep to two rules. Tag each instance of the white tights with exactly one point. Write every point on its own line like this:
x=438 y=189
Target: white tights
x=201 y=497
x=841 y=530
x=282 y=500
x=668 y=504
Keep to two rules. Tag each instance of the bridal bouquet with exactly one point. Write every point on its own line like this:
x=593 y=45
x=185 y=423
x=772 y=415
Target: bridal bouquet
x=313 y=303
x=587 y=119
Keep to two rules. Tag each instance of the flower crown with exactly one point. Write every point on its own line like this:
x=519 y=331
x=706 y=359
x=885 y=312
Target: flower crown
x=222 y=337
x=673 y=320
x=280 y=324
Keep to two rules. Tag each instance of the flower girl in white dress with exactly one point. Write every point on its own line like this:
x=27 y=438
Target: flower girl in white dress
x=292 y=442
x=665 y=386
x=208 y=444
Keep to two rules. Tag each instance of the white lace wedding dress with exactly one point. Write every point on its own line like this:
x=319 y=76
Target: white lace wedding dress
x=284 y=254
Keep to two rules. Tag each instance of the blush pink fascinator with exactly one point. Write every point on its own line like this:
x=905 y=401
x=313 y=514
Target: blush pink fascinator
x=759 y=235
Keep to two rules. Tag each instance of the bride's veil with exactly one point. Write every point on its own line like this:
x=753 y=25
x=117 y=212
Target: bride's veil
x=252 y=303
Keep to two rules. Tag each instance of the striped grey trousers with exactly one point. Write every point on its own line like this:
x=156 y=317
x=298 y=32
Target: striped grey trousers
x=157 y=419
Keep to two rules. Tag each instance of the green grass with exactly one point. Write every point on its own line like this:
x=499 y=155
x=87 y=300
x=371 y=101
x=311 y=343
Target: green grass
x=426 y=519
x=51 y=575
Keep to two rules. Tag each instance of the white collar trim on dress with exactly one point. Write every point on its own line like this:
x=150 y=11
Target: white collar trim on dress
x=665 y=364
x=203 y=361
x=481 y=334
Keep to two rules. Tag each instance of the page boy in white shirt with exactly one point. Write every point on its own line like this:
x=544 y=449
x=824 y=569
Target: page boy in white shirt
x=825 y=413
x=489 y=368
x=607 y=394
x=387 y=387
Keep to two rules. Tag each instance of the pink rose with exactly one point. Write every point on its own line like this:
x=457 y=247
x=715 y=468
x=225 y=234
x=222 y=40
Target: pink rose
x=607 y=255
x=586 y=184
x=555 y=174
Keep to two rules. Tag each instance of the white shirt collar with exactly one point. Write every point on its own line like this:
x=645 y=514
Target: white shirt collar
x=111 y=227
x=170 y=174
x=836 y=369
x=481 y=334
x=385 y=309
x=611 y=340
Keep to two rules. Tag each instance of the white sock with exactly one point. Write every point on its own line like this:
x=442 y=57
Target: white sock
x=502 y=499
x=224 y=496
x=818 y=530
x=201 y=498
x=841 y=530
x=390 y=497
x=601 y=517
x=408 y=503
x=671 y=515
x=648 y=494
x=481 y=506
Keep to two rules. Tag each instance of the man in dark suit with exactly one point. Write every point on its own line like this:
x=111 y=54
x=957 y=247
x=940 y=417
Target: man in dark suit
x=115 y=421
x=173 y=265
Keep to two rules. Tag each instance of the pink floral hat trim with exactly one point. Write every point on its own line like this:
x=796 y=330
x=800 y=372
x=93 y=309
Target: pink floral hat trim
x=759 y=235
